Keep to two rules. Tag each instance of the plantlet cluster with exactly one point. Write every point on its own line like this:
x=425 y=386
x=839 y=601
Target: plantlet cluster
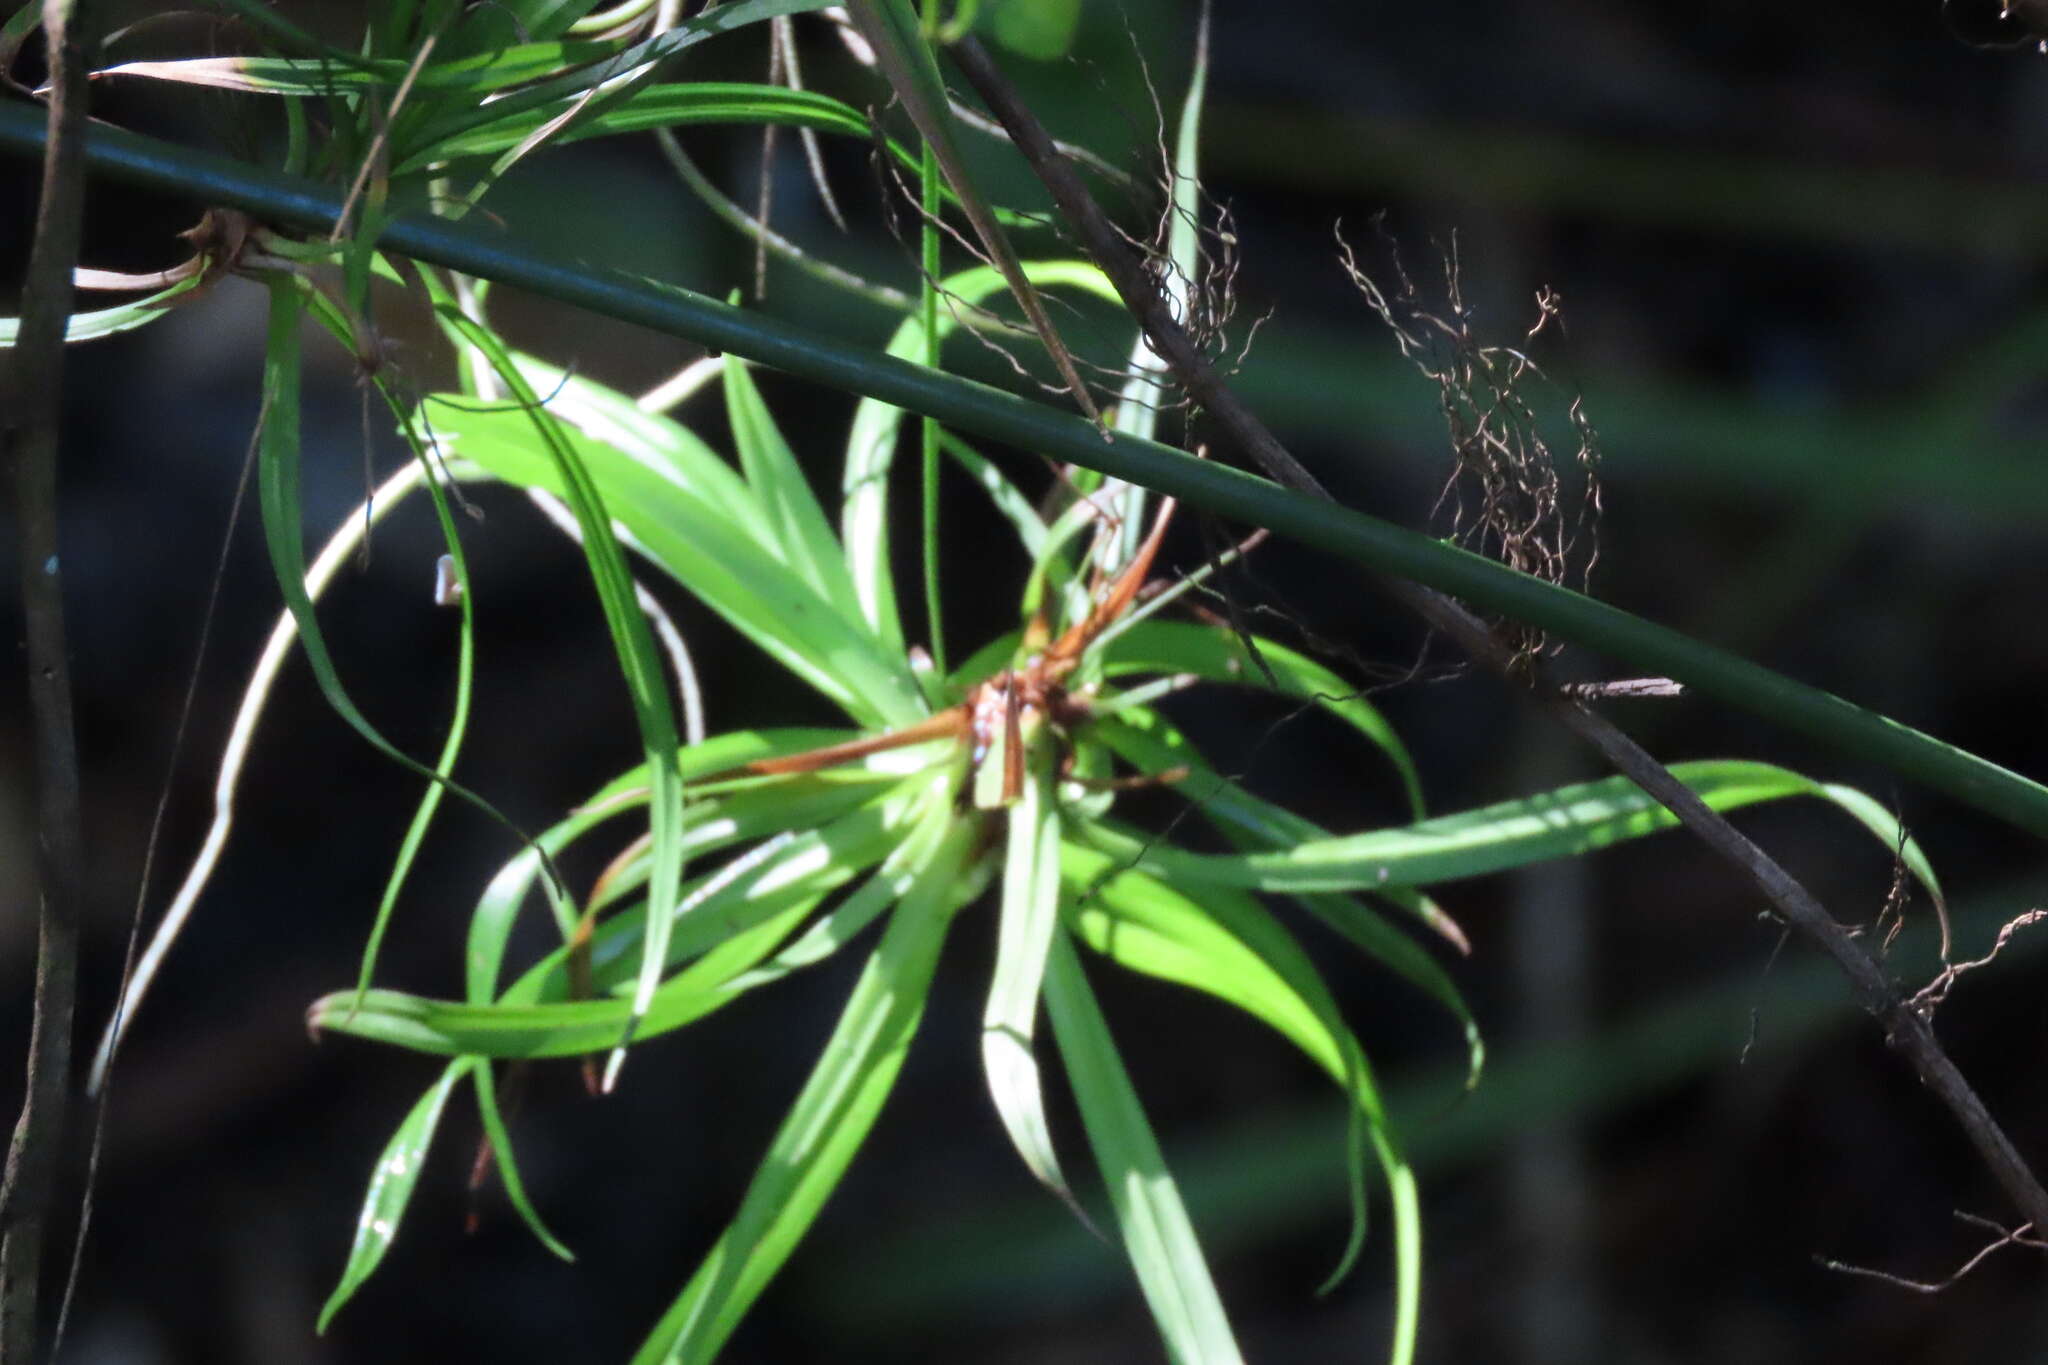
x=748 y=857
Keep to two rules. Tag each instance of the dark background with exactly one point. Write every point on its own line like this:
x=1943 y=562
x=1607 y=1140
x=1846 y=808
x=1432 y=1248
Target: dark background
x=1800 y=250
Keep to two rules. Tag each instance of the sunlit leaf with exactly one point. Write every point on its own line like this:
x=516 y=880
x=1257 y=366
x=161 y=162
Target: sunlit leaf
x=871 y=445
x=1149 y=1211
x=1143 y=739
x=391 y=1187
x=1530 y=829
x=825 y=1127
x=1029 y=919
x=106 y=322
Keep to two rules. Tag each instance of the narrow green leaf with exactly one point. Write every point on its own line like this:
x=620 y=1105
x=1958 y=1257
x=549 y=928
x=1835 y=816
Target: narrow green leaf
x=1140 y=737
x=500 y=1137
x=693 y=515
x=1558 y=824
x=1010 y=501
x=278 y=495
x=578 y=113
x=827 y=1124
x=302 y=76
x=1030 y=918
x=106 y=322
x=1226 y=944
x=760 y=809
x=497 y=909
x=802 y=534
x=889 y=884
x=722 y=917
x=617 y=62
x=871 y=444
x=458 y=722
x=639 y=663
x=1149 y=1210
x=698 y=103
x=1220 y=656
x=391 y=1186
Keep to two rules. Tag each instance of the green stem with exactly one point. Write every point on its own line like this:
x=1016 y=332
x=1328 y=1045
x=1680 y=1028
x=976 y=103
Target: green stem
x=928 y=428
x=995 y=415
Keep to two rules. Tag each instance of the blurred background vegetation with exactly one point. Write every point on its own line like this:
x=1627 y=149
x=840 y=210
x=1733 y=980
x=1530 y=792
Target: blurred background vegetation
x=1800 y=255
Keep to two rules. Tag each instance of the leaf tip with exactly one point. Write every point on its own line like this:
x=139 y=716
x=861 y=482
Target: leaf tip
x=614 y=1063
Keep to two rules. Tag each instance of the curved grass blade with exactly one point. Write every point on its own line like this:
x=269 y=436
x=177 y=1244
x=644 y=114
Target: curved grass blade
x=1227 y=945
x=1149 y=1211
x=871 y=444
x=491 y=923
x=1220 y=656
x=564 y=1028
x=689 y=512
x=802 y=534
x=278 y=494
x=1144 y=740
x=106 y=322
x=762 y=810
x=314 y=76
x=577 y=113
x=616 y=62
x=500 y=1137
x=639 y=664
x=337 y=321
x=391 y=1187
x=808 y=849
x=256 y=692
x=490 y=930
x=661 y=106
x=1030 y=918
x=826 y=1126
x=1562 y=823
x=733 y=918
x=1010 y=501
x=648 y=439
x=451 y=746
x=890 y=882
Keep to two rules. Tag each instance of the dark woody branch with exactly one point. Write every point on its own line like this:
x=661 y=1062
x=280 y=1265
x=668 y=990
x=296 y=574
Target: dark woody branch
x=1906 y=1031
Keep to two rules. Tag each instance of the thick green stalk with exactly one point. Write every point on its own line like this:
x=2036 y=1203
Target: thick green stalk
x=996 y=415
x=928 y=427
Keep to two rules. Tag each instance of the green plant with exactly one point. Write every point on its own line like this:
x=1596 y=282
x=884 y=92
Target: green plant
x=1006 y=766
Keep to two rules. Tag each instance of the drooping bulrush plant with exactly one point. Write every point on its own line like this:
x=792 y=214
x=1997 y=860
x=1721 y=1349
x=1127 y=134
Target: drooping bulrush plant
x=1007 y=770
x=749 y=856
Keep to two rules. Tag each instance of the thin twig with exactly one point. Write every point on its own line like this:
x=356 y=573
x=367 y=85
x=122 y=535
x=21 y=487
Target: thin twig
x=1905 y=1030
x=2007 y=1237
x=103 y=1098
x=255 y=697
x=32 y=401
